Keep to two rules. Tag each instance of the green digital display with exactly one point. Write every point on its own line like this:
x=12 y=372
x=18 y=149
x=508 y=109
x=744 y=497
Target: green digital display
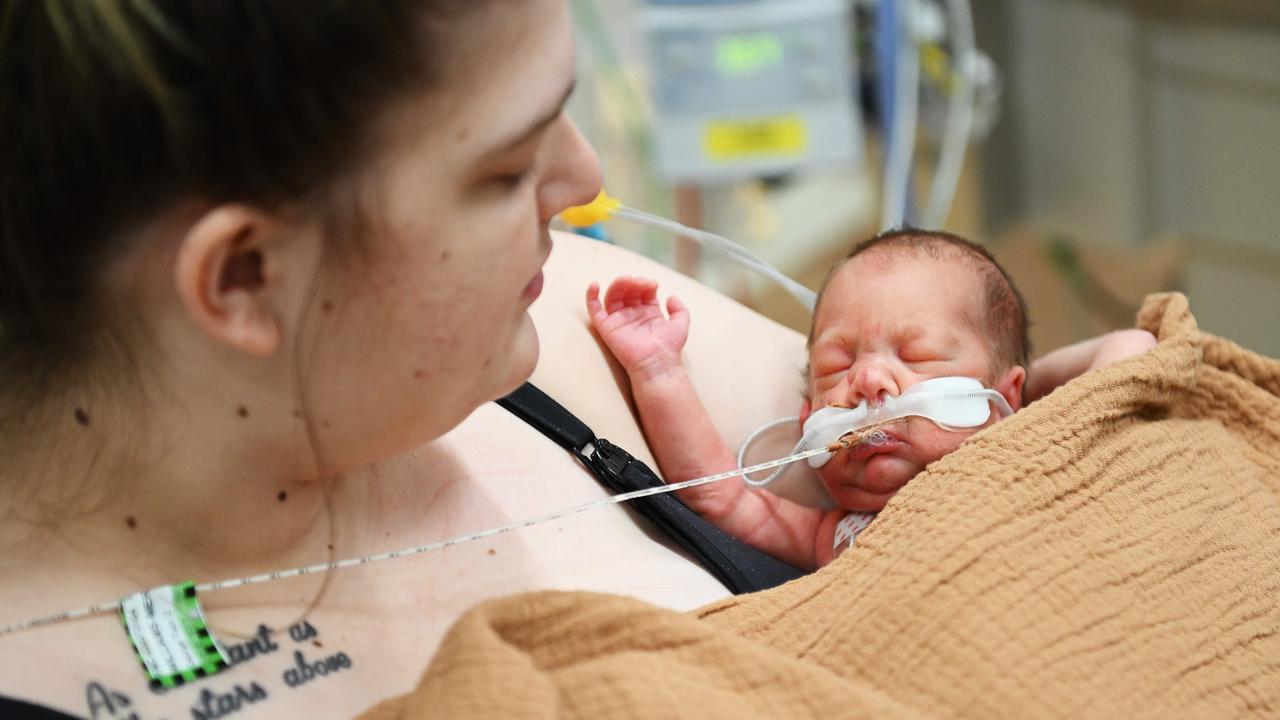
x=748 y=54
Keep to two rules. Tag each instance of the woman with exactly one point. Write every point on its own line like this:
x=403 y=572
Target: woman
x=250 y=248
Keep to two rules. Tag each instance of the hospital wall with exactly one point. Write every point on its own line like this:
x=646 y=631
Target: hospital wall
x=1128 y=123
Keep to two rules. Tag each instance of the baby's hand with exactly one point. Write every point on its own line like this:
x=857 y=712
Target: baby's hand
x=632 y=325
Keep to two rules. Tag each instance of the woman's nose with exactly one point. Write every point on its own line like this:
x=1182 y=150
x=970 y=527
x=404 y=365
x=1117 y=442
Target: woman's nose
x=872 y=381
x=573 y=173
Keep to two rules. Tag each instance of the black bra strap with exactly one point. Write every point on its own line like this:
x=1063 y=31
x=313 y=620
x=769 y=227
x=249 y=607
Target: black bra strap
x=14 y=708
x=739 y=566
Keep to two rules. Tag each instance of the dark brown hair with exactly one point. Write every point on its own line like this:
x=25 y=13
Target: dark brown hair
x=114 y=110
x=1004 y=312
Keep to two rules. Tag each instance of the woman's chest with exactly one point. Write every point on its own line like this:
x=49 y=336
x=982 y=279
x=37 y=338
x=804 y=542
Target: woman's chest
x=299 y=649
x=318 y=666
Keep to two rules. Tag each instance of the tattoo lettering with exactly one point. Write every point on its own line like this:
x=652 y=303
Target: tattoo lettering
x=214 y=705
x=104 y=703
x=302 y=631
x=260 y=644
x=304 y=671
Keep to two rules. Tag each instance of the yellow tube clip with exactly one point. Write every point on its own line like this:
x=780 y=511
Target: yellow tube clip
x=593 y=212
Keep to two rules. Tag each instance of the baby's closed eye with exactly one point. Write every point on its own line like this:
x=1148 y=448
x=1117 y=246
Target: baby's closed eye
x=919 y=353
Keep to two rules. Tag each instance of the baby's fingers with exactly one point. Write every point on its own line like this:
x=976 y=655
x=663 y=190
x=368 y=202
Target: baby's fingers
x=595 y=311
x=679 y=314
x=628 y=291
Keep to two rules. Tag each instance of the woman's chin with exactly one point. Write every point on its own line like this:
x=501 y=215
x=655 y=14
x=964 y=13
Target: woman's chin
x=522 y=358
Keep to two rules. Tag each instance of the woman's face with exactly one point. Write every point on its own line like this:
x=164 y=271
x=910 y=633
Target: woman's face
x=430 y=321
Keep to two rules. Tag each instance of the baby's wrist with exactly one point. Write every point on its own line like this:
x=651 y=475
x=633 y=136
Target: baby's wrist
x=657 y=370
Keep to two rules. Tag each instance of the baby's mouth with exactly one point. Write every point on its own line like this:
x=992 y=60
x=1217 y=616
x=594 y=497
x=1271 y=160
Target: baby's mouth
x=883 y=443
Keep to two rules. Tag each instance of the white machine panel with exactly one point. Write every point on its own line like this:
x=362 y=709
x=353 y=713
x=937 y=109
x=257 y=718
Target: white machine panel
x=744 y=88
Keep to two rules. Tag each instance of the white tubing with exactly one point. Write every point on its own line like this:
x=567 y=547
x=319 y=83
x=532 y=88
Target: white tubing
x=742 y=450
x=112 y=606
x=960 y=111
x=734 y=251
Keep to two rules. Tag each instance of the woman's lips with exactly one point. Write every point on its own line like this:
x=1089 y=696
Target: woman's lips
x=533 y=289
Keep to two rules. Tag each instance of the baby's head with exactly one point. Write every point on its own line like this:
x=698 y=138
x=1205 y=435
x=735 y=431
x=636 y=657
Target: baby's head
x=902 y=307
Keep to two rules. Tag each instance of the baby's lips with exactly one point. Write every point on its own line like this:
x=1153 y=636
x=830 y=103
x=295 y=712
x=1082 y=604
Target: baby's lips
x=888 y=443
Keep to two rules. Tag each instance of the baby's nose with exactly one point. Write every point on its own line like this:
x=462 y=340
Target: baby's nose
x=872 y=382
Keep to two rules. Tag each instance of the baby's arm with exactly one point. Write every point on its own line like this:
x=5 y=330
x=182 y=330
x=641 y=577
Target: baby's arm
x=1066 y=363
x=684 y=441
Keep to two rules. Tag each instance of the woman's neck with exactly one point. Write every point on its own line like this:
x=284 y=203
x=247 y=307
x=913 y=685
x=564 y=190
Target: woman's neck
x=160 y=497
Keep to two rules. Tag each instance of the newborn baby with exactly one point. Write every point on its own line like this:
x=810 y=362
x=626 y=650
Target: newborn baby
x=903 y=307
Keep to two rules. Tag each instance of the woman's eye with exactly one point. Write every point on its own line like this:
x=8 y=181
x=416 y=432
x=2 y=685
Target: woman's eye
x=513 y=181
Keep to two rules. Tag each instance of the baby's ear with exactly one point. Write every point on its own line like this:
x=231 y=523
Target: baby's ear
x=805 y=411
x=1010 y=386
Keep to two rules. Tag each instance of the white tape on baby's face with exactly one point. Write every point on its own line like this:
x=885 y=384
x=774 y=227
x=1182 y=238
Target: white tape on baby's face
x=954 y=403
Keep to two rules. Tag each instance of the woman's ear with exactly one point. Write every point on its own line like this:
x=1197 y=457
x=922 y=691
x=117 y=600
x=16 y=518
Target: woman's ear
x=221 y=278
x=1010 y=386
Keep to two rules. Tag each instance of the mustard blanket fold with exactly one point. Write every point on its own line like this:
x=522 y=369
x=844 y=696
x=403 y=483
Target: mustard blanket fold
x=1112 y=550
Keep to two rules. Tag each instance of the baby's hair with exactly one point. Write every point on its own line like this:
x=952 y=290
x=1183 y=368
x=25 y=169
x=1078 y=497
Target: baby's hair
x=1004 y=310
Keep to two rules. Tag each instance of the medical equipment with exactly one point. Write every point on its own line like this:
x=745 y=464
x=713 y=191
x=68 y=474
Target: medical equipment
x=898 y=74
x=904 y=29
x=960 y=114
x=744 y=88
x=605 y=207
x=952 y=403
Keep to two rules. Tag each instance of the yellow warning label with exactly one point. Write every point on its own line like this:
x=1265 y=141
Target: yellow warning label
x=781 y=136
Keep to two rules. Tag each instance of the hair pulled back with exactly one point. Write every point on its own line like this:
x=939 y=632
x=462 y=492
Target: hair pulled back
x=113 y=110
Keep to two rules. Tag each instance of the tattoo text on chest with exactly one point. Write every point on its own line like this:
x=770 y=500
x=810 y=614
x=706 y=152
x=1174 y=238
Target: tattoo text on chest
x=303 y=670
x=107 y=704
x=104 y=703
x=213 y=703
x=260 y=644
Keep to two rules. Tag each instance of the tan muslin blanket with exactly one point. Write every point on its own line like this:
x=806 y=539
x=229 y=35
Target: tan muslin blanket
x=1112 y=550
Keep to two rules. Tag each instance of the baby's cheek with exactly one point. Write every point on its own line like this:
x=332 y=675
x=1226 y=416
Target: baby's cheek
x=932 y=442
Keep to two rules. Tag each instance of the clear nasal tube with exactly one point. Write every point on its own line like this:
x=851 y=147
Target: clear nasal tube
x=872 y=435
x=952 y=403
x=605 y=207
